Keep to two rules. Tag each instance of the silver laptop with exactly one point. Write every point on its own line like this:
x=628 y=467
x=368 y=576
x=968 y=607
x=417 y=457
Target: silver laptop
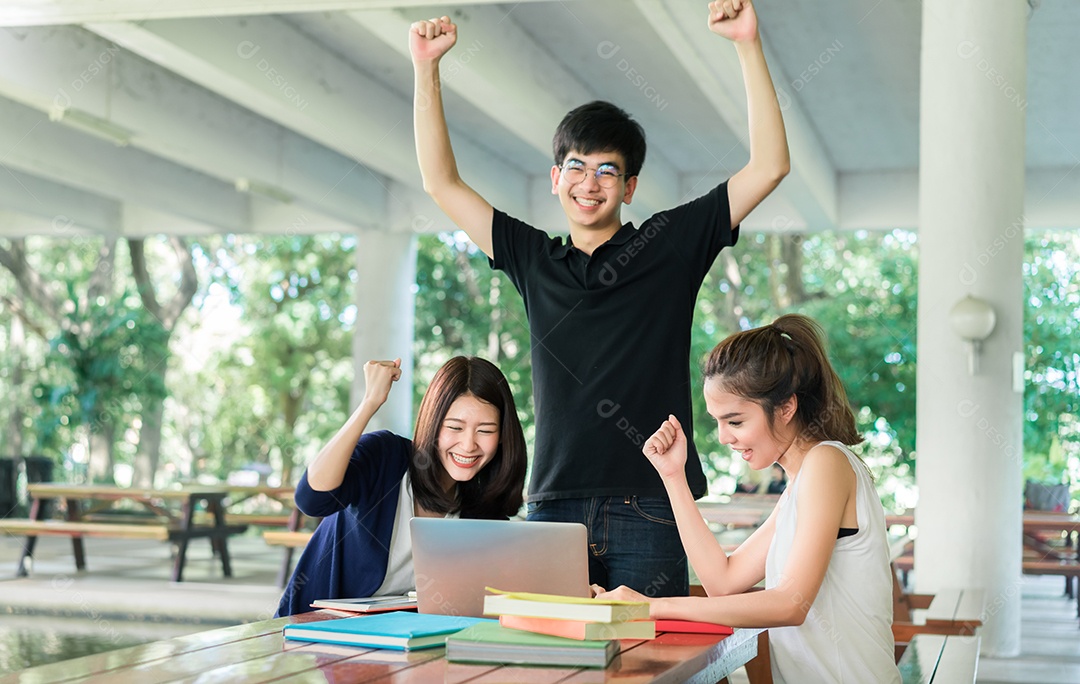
x=455 y=559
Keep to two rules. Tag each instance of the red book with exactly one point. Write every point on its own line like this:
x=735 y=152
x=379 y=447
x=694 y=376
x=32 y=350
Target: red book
x=692 y=627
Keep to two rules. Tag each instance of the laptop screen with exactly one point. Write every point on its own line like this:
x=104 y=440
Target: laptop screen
x=454 y=559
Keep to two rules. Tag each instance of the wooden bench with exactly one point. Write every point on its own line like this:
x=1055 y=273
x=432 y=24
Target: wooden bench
x=290 y=540
x=254 y=519
x=31 y=529
x=1066 y=568
x=940 y=659
x=950 y=611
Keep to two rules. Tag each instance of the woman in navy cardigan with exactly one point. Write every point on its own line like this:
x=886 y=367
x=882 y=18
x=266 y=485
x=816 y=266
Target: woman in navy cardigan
x=466 y=459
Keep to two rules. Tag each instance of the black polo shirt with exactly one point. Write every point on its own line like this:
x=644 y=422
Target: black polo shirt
x=611 y=343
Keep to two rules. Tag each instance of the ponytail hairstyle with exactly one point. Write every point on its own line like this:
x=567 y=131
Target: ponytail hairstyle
x=768 y=365
x=495 y=491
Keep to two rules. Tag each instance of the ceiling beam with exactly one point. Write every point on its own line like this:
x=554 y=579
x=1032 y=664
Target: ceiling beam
x=46 y=12
x=34 y=146
x=498 y=68
x=83 y=79
x=714 y=66
x=265 y=65
x=62 y=207
x=888 y=200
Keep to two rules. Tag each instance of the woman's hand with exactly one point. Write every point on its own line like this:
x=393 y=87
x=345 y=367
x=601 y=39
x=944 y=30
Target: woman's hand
x=378 y=377
x=430 y=40
x=666 y=449
x=622 y=593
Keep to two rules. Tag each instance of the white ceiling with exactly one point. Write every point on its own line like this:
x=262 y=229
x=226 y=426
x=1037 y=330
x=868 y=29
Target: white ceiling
x=283 y=115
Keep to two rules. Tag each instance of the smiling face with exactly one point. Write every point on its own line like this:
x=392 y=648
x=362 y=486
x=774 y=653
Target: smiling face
x=468 y=439
x=588 y=205
x=743 y=425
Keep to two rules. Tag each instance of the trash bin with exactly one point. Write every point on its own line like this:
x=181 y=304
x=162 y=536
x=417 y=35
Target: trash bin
x=8 y=501
x=39 y=469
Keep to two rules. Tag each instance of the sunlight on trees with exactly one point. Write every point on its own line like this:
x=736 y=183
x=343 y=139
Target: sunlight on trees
x=257 y=369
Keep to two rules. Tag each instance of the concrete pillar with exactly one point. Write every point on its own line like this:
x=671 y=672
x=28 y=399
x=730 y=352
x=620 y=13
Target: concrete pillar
x=385 y=306
x=971 y=191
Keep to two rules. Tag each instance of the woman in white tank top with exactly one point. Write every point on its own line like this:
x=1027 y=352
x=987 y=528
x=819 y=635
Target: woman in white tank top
x=822 y=552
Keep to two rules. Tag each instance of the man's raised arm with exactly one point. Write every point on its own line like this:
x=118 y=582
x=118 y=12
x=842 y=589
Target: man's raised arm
x=428 y=42
x=769 y=159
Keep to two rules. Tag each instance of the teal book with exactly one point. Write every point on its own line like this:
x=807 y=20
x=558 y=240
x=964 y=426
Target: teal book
x=488 y=642
x=399 y=630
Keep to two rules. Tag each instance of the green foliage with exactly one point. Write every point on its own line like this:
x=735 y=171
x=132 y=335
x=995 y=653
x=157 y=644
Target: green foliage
x=465 y=307
x=281 y=389
x=268 y=380
x=107 y=350
x=1051 y=331
x=861 y=288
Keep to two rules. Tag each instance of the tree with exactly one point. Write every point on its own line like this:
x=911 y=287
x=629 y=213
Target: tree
x=296 y=293
x=1051 y=326
x=465 y=307
x=164 y=316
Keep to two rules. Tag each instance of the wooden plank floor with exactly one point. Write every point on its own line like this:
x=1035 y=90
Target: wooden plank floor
x=1049 y=639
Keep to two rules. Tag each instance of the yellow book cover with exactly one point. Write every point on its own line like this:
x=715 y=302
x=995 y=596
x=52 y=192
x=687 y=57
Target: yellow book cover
x=563 y=607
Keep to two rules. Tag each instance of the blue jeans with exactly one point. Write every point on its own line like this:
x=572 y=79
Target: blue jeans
x=632 y=540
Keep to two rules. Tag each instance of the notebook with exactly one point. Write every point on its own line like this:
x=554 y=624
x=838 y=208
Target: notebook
x=401 y=631
x=455 y=559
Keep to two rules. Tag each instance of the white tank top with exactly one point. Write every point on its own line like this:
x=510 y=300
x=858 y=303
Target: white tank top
x=847 y=635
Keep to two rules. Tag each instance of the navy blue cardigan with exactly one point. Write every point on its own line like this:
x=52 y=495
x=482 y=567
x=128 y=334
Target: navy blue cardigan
x=349 y=552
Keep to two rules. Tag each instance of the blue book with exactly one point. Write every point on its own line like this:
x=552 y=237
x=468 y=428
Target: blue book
x=400 y=631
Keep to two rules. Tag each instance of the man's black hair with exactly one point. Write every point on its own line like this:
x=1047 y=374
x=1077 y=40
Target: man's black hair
x=601 y=127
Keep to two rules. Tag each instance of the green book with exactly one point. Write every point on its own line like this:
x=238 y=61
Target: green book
x=488 y=642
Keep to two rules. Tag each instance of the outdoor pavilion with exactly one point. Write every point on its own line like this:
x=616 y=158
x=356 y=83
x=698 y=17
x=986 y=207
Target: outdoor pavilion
x=187 y=117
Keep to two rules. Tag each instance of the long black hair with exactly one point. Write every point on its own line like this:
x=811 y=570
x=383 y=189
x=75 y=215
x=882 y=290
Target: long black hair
x=768 y=365
x=495 y=491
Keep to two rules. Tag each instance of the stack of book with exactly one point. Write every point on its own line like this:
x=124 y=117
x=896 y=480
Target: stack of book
x=394 y=630
x=544 y=629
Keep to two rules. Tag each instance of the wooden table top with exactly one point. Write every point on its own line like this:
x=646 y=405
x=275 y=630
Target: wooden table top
x=97 y=491
x=740 y=510
x=66 y=490
x=1049 y=521
x=257 y=652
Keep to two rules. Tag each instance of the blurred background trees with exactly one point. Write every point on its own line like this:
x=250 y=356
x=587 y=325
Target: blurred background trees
x=162 y=359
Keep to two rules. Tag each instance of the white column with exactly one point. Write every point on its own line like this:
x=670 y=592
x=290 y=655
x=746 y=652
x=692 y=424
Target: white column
x=385 y=303
x=971 y=192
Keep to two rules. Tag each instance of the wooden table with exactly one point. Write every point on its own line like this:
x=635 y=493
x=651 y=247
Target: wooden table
x=257 y=652
x=740 y=511
x=172 y=508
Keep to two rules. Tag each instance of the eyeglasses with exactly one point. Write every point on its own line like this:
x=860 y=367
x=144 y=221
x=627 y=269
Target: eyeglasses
x=606 y=175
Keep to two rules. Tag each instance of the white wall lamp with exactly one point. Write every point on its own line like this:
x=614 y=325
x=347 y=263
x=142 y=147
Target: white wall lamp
x=973 y=320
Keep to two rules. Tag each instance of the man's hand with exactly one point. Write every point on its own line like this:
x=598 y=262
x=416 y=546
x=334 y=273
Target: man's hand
x=734 y=20
x=666 y=449
x=378 y=377
x=430 y=40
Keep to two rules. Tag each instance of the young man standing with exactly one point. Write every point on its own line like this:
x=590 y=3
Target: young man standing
x=610 y=310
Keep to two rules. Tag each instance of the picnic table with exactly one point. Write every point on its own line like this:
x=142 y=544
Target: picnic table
x=740 y=510
x=257 y=652
x=160 y=514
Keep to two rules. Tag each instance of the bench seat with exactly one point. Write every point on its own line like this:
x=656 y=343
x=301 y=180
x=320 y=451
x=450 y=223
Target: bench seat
x=940 y=659
x=1065 y=568
x=35 y=528
x=290 y=539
